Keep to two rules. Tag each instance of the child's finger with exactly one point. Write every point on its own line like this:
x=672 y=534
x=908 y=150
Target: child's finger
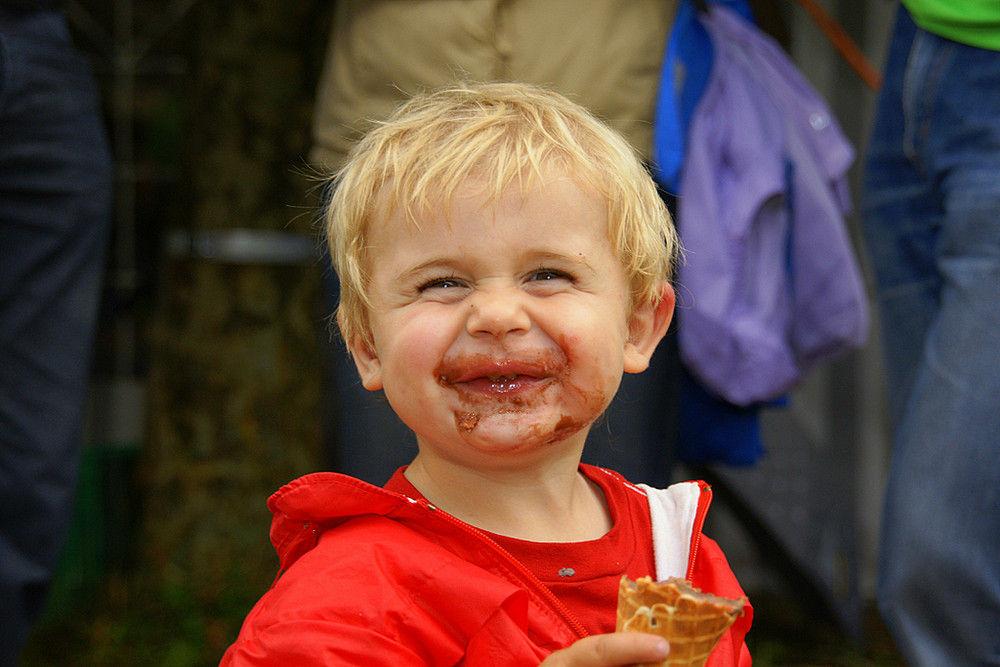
x=610 y=650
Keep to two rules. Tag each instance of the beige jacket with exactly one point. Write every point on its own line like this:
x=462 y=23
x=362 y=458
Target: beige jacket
x=604 y=54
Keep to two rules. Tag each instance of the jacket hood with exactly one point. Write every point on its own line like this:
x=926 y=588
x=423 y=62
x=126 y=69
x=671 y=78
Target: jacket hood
x=322 y=500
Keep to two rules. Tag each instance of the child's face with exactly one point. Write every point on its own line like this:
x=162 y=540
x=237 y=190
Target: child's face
x=501 y=331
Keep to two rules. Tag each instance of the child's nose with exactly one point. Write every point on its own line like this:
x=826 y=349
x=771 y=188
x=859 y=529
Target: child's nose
x=497 y=312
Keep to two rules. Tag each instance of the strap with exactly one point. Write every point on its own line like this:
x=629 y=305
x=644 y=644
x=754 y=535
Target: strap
x=843 y=43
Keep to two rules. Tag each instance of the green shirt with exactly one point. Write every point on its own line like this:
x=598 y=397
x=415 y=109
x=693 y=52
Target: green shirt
x=973 y=22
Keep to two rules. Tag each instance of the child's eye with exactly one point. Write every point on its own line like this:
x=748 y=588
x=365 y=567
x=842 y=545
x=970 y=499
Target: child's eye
x=549 y=274
x=446 y=289
x=441 y=283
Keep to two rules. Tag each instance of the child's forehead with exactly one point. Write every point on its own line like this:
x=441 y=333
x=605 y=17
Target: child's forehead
x=440 y=205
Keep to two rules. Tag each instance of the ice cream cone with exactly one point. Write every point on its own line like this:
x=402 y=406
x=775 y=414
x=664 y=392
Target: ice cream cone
x=692 y=621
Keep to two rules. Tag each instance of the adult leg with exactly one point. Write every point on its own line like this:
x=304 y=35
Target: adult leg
x=932 y=216
x=54 y=203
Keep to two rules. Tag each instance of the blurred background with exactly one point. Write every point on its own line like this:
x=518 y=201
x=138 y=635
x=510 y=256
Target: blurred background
x=208 y=390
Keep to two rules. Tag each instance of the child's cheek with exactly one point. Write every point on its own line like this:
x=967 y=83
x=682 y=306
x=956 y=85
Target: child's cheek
x=422 y=348
x=590 y=383
x=416 y=346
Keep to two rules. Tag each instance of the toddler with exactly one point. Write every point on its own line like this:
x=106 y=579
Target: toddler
x=504 y=257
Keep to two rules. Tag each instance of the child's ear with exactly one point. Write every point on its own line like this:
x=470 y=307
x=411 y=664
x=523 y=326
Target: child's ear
x=648 y=325
x=369 y=366
x=365 y=358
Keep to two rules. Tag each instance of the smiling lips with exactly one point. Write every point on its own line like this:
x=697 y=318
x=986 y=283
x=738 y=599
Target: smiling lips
x=485 y=376
x=500 y=384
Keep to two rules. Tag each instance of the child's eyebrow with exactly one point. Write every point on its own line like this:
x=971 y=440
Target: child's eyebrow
x=578 y=258
x=444 y=262
x=457 y=262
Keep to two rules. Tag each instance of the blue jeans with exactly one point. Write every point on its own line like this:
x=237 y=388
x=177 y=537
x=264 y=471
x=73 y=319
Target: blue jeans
x=55 y=183
x=931 y=210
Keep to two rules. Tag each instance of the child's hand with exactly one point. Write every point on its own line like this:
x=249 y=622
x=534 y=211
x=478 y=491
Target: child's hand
x=611 y=650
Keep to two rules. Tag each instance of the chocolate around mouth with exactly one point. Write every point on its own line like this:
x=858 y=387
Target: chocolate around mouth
x=466 y=421
x=497 y=380
x=500 y=370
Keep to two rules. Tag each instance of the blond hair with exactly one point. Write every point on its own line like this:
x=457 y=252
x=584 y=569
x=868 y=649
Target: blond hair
x=501 y=133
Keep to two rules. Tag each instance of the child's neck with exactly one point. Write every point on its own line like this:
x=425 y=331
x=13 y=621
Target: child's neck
x=554 y=504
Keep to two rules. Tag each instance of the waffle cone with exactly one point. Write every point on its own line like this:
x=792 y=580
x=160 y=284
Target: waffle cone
x=693 y=622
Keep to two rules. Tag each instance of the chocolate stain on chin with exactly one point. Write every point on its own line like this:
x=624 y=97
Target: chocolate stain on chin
x=567 y=423
x=590 y=402
x=466 y=421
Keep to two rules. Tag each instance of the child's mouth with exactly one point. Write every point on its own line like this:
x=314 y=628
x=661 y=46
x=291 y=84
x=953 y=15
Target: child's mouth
x=499 y=384
x=494 y=394
x=514 y=378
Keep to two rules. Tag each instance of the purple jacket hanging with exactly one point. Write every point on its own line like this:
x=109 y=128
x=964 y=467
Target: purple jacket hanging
x=770 y=285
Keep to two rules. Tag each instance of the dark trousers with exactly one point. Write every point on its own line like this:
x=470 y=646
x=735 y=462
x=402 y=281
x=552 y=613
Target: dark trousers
x=55 y=192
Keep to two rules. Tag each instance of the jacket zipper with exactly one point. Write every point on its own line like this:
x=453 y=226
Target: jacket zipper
x=539 y=587
x=699 y=524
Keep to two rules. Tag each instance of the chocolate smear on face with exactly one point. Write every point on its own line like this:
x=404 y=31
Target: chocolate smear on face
x=554 y=366
x=467 y=421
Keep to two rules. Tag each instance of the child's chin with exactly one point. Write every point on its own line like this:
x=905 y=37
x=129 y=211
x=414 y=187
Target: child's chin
x=513 y=433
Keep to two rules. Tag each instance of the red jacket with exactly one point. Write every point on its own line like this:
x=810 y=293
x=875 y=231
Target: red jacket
x=372 y=577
